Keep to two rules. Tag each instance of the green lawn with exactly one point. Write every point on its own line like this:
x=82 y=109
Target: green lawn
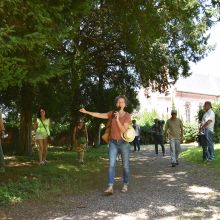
x=194 y=154
x=25 y=179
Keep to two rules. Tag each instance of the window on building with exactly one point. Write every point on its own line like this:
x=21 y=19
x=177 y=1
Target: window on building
x=187 y=111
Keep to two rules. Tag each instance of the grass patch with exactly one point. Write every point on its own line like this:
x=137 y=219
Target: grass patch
x=25 y=179
x=194 y=154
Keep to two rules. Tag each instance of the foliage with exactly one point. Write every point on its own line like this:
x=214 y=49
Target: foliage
x=190 y=132
x=200 y=113
x=15 y=192
x=28 y=31
x=58 y=128
x=146 y=120
x=63 y=175
x=216 y=109
x=194 y=154
x=162 y=37
x=146 y=135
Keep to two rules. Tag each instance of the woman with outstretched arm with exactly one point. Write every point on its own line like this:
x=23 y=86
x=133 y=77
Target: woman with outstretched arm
x=120 y=121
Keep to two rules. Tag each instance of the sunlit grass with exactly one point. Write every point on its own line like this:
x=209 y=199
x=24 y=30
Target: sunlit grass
x=194 y=154
x=25 y=179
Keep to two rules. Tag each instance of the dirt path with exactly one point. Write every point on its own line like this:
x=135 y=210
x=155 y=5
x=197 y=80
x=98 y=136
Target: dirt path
x=156 y=191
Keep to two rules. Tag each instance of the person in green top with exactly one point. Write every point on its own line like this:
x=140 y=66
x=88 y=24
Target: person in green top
x=174 y=131
x=42 y=127
x=80 y=139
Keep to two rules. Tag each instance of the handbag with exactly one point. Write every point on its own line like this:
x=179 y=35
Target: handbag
x=201 y=139
x=50 y=139
x=106 y=135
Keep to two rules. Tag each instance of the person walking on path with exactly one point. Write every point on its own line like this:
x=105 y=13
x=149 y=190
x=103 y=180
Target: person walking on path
x=2 y=132
x=174 y=131
x=207 y=127
x=157 y=130
x=136 y=141
x=42 y=127
x=120 y=121
x=80 y=139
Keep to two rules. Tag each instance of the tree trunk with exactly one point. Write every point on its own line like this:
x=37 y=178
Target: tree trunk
x=25 y=131
x=95 y=133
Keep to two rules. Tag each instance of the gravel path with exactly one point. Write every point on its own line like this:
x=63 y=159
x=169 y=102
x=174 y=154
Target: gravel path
x=156 y=191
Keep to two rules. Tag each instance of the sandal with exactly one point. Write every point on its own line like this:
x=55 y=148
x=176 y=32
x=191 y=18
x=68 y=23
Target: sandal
x=124 y=189
x=109 y=191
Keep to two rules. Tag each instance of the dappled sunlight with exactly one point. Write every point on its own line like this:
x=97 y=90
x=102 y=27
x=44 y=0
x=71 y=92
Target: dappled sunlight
x=199 y=189
x=142 y=159
x=168 y=208
x=141 y=213
x=104 y=214
x=200 y=192
x=20 y=164
x=169 y=218
x=167 y=177
x=139 y=176
x=68 y=167
x=181 y=173
x=13 y=161
x=190 y=215
x=211 y=212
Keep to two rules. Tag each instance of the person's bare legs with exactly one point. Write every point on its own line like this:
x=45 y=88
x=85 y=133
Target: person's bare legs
x=45 y=147
x=40 y=150
x=81 y=156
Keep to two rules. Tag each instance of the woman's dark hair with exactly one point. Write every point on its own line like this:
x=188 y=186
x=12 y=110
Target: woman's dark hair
x=121 y=97
x=39 y=115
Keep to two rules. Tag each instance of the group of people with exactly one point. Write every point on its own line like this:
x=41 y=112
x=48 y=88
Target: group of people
x=173 y=130
x=120 y=121
x=42 y=132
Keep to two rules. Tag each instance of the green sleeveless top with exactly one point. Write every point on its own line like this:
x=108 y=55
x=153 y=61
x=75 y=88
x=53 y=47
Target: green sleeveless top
x=41 y=130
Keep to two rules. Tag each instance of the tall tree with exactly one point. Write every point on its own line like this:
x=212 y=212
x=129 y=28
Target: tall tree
x=164 y=36
x=29 y=29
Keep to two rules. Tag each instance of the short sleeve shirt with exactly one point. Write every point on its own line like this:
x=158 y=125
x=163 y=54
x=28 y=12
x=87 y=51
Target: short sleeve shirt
x=209 y=115
x=174 y=128
x=115 y=130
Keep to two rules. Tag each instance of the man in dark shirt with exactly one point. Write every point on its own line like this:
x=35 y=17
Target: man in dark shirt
x=157 y=130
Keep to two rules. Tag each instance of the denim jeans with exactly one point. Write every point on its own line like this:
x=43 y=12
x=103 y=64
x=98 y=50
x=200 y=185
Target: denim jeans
x=2 y=161
x=174 y=149
x=210 y=145
x=116 y=147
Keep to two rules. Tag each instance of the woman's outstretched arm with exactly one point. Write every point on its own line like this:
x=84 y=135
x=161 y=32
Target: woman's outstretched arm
x=94 y=114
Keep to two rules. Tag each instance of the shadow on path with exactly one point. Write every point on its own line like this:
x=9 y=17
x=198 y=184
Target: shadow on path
x=156 y=191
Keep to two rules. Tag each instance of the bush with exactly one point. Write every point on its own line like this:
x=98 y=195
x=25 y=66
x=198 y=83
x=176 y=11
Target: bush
x=145 y=121
x=190 y=132
x=216 y=109
x=146 y=135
